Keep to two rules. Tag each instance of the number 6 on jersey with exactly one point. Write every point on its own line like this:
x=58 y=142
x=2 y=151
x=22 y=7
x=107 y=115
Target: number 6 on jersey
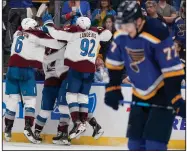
x=19 y=44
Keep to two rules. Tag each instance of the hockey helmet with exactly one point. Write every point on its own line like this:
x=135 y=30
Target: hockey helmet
x=28 y=23
x=83 y=22
x=128 y=11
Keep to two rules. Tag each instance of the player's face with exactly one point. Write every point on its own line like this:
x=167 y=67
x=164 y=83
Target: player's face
x=130 y=28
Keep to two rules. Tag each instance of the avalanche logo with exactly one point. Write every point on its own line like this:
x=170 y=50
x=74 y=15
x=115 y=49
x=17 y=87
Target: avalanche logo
x=55 y=115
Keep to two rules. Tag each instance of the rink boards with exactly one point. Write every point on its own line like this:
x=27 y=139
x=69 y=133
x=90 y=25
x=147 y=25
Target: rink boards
x=113 y=122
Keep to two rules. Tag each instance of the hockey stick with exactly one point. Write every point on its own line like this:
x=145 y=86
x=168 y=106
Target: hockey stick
x=143 y=104
x=21 y=97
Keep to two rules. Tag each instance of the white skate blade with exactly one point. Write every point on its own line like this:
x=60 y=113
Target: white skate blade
x=100 y=133
x=73 y=135
x=61 y=142
x=7 y=139
x=80 y=134
x=77 y=135
x=30 y=138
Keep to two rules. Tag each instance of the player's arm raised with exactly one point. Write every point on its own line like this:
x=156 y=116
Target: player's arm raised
x=115 y=65
x=48 y=27
x=172 y=69
x=47 y=42
x=59 y=34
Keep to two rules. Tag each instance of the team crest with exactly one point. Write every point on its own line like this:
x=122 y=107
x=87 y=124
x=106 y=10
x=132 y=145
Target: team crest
x=51 y=66
x=136 y=56
x=182 y=29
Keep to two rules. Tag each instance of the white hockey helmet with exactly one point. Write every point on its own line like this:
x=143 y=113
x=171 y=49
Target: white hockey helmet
x=83 y=22
x=28 y=23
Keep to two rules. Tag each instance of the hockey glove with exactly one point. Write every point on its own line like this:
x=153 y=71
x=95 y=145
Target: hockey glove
x=44 y=29
x=173 y=91
x=180 y=107
x=47 y=19
x=113 y=90
x=112 y=96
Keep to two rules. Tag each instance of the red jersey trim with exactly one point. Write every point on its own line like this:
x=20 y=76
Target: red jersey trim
x=18 y=61
x=81 y=66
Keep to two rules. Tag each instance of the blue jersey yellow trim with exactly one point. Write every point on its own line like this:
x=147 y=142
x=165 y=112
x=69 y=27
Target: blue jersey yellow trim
x=150 y=37
x=112 y=67
x=119 y=33
x=151 y=94
x=173 y=73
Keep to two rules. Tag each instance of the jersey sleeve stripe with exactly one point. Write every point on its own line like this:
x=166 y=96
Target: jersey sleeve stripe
x=112 y=67
x=173 y=68
x=173 y=73
x=176 y=98
x=150 y=37
x=119 y=33
x=113 y=88
x=113 y=62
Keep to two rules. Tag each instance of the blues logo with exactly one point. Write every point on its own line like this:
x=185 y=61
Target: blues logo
x=136 y=56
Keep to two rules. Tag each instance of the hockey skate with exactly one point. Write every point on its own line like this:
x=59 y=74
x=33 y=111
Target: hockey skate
x=29 y=134
x=7 y=134
x=37 y=136
x=77 y=130
x=62 y=139
x=97 y=130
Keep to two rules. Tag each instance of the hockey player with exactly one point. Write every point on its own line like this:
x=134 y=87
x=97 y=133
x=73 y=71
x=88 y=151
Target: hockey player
x=146 y=51
x=20 y=78
x=55 y=74
x=80 y=56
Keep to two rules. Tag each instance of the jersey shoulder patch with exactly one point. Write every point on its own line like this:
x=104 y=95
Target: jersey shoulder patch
x=156 y=29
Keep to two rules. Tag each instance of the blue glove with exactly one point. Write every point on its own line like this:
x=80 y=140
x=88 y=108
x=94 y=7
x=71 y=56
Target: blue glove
x=47 y=19
x=113 y=96
x=44 y=29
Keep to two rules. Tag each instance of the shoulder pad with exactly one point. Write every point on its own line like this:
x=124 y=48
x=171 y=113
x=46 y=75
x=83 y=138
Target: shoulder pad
x=119 y=33
x=157 y=29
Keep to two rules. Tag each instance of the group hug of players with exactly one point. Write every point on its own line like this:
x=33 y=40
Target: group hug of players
x=143 y=46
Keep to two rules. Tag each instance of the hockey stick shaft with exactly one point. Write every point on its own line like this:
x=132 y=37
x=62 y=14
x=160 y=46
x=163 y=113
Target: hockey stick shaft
x=143 y=104
x=21 y=97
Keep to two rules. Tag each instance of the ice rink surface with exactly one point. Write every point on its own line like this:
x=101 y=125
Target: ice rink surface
x=29 y=146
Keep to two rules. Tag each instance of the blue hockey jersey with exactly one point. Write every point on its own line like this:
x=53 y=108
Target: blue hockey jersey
x=179 y=30
x=149 y=58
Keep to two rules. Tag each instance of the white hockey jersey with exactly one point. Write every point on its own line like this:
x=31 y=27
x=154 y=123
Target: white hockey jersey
x=54 y=68
x=82 y=46
x=28 y=48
